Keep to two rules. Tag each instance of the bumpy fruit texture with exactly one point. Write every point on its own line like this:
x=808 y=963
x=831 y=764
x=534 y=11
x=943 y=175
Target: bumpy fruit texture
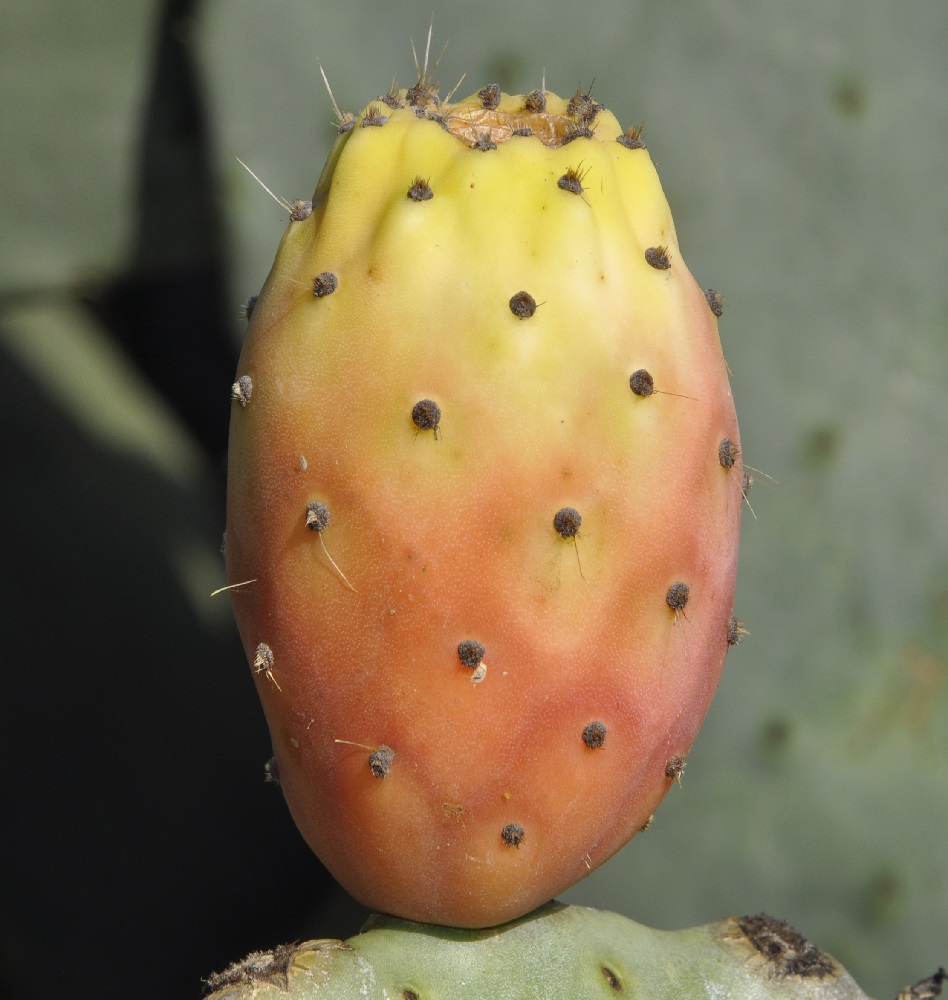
x=485 y=479
x=557 y=953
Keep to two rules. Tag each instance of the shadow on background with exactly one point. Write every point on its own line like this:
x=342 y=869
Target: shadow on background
x=142 y=848
x=802 y=152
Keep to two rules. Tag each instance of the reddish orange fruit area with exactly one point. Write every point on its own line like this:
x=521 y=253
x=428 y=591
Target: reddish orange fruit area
x=485 y=475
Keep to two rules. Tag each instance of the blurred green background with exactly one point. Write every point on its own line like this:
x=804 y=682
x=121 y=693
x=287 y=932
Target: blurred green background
x=803 y=149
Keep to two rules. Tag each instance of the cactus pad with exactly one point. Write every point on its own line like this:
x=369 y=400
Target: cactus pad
x=567 y=952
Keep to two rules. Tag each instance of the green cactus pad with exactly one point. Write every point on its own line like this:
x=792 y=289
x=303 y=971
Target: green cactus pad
x=557 y=951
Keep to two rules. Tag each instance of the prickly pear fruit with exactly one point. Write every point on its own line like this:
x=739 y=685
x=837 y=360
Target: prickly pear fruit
x=557 y=952
x=485 y=483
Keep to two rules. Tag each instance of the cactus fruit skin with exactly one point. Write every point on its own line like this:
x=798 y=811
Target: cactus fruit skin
x=513 y=614
x=556 y=952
